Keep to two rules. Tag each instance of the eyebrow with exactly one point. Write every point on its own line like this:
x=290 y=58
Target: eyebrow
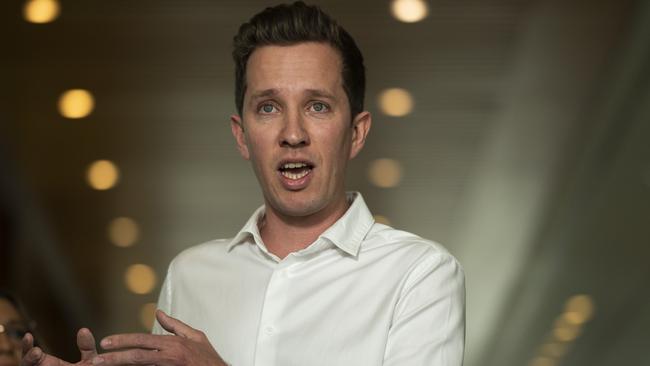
x=320 y=93
x=14 y=322
x=264 y=93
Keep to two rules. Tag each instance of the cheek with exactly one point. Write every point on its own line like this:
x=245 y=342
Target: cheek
x=258 y=145
x=344 y=139
x=337 y=147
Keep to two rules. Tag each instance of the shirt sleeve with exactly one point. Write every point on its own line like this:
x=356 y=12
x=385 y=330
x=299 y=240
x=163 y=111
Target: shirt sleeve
x=428 y=325
x=164 y=301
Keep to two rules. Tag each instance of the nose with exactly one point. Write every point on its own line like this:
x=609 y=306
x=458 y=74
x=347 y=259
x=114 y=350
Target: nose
x=294 y=134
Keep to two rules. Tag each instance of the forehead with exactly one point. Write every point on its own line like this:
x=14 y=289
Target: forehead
x=8 y=312
x=303 y=66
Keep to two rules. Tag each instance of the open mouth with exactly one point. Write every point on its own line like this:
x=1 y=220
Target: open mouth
x=295 y=170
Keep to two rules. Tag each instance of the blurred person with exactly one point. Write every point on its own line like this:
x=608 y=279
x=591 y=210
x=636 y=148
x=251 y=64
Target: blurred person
x=311 y=279
x=14 y=324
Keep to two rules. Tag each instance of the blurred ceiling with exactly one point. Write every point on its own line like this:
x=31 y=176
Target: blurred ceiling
x=526 y=155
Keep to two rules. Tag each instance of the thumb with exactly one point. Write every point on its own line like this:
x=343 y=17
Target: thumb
x=27 y=343
x=176 y=326
x=86 y=344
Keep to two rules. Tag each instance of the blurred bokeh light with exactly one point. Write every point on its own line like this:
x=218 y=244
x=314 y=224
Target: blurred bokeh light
x=41 y=11
x=148 y=315
x=409 y=11
x=543 y=361
x=385 y=173
x=382 y=219
x=140 y=279
x=396 y=102
x=103 y=175
x=553 y=349
x=123 y=231
x=579 y=309
x=76 y=103
x=565 y=332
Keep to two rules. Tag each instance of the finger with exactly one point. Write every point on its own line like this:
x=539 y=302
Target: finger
x=33 y=357
x=27 y=343
x=135 y=356
x=176 y=326
x=134 y=340
x=86 y=344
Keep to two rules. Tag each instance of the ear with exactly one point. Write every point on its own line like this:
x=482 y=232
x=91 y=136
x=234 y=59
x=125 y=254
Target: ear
x=237 y=128
x=360 y=129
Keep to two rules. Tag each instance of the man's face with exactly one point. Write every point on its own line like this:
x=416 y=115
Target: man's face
x=296 y=127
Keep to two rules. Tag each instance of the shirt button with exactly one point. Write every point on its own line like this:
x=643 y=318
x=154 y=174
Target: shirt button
x=269 y=330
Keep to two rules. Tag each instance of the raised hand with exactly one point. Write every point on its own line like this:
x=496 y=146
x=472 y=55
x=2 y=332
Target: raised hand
x=34 y=356
x=188 y=347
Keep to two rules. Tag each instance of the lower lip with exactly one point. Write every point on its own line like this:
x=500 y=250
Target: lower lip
x=296 y=184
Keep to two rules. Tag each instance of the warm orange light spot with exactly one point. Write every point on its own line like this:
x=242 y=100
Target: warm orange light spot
x=554 y=349
x=123 y=231
x=543 y=361
x=396 y=102
x=382 y=219
x=140 y=279
x=409 y=11
x=148 y=315
x=103 y=175
x=41 y=11
x=76 y=103
x=565 y=332
x=385 y=173
x=579 y=309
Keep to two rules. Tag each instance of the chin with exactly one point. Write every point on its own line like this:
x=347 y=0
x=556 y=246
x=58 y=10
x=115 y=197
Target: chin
x=295 y=204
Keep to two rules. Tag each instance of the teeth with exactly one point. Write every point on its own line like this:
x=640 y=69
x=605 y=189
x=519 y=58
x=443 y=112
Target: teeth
x=295 y=176
x=293 y=165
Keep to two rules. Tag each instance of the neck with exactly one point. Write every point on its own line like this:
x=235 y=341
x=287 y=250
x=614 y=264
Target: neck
x=284 y=234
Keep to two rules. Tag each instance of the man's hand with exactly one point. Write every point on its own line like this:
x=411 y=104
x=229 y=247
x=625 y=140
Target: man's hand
x=34 y=356
x=188 y=347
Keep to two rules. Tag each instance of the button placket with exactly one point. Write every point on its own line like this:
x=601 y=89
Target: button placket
x=274 y=305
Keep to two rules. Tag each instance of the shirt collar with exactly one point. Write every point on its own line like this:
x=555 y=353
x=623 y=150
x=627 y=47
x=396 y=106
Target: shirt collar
x=251 y=228
x=346 y=233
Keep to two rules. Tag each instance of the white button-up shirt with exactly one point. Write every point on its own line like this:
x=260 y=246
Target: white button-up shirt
x=362 y=294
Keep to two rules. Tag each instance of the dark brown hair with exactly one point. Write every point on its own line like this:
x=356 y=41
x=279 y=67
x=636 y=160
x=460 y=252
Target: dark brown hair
x=295 y=23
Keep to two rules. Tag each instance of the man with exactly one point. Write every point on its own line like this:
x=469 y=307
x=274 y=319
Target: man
x=311 y=279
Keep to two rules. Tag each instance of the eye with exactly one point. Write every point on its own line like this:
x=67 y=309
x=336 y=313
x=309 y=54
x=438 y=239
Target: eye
x=16 y=333
x=267 y=108
x=319 y=107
